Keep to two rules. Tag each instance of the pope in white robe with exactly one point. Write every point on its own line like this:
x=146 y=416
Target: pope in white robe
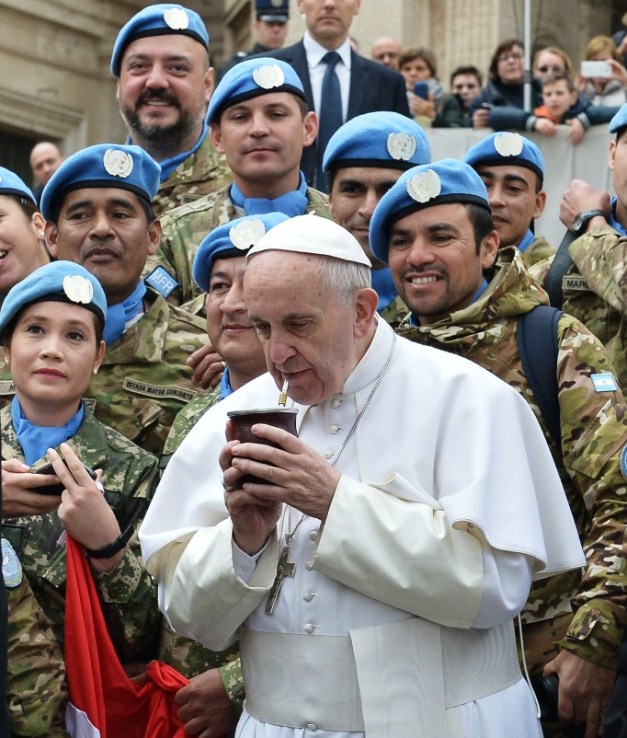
x=418 y=501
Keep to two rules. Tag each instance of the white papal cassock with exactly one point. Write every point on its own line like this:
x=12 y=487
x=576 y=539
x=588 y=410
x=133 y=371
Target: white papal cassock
x=398 y=620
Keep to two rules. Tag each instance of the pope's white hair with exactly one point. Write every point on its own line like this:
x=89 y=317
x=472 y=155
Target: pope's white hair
x=342 y=278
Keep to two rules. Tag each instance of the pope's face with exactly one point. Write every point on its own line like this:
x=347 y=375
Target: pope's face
x=435 y=262
x=309 y=337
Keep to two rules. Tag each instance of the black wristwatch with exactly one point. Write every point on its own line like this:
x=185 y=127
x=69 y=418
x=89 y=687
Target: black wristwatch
x=112 y=548
x=582 y=218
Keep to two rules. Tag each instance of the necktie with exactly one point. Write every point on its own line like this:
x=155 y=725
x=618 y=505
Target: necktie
x=330 y=111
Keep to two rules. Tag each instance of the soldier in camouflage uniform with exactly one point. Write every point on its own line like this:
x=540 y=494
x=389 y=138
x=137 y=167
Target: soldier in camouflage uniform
x=440 y=237
x=262 y=182
x=219 y=271
x=594 y=286
x=512 y=169
x=144 y=379
x=363 y=159
x=160 y=59
x=36 y=689
x=104 y=520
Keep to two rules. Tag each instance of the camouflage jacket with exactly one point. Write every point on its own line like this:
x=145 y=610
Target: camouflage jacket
x=594 y=430
x=538 y=250
x=394 y=312
x=595 y=291
x=185 y=227
x=144 y=379
x=36 y=689
x=129 y=595
x=185 y=654
x=203 y=172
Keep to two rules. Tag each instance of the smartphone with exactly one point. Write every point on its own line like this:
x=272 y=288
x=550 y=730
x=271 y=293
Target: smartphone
x=596 y=69
x=421 y=89
x=57 y=488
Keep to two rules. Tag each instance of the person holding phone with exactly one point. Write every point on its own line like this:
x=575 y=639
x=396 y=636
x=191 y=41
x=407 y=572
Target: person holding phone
x=603 y=87
x=424 y=90
x=51 y=326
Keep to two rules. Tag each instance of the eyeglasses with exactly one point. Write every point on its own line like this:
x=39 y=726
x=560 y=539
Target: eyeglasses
x=546 y=69
x=513 y=55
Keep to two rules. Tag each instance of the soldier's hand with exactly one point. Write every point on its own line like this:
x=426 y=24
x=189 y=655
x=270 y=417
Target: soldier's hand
x=208 y=367
x=584 y=690
x=84 y=512
x=580 y=196
x=19 y=490
x=204 y=707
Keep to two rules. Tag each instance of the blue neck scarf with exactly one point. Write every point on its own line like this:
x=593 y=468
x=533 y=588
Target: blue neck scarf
x=612 y=219
x=291 y=203
x=527 y=240
x=383 y=283
x=119 y=315
x=413 y=320
x=35 y=440
x=225 y=384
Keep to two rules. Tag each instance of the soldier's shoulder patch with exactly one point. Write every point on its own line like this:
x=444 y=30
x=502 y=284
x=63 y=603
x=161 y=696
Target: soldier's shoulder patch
x=604 y=382
x=7 y=387
x=158 y=391
x=575 y=283
x=11 y=566
x=161 y=281
x=623 y=461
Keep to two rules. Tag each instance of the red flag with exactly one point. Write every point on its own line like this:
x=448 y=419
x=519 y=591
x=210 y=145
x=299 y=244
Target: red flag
x=105 y=702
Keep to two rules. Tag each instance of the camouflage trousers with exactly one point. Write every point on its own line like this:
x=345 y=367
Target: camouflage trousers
x=542 y=641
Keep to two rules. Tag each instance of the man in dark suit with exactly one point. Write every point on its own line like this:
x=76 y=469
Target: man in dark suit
x=365 y=85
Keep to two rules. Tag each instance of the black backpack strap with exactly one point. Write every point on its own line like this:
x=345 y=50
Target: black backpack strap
x=559 y=267
x=538 y=346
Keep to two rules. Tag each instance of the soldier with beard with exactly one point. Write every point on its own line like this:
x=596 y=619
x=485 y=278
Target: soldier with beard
x=160 y=59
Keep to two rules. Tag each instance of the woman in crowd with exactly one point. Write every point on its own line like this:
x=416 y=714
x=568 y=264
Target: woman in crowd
x=605 y=90
x=419 y=65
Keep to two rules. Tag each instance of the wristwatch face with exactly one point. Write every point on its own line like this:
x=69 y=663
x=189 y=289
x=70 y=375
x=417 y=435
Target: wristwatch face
x=578 y=222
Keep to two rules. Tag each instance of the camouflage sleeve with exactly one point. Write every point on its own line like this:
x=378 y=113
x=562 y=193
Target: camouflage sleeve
x=172 y=254
x=37 y=694
x=601 y=258
x=129 y=596
x=594 y=429
x=233 y=680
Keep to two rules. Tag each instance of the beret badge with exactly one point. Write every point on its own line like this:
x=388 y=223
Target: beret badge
x=509 y=144
x=176 y=19
x=424 y=186
x=268 y=76
x=247 y=233
x=401 y=146
x=78 y=289
x=117 y=163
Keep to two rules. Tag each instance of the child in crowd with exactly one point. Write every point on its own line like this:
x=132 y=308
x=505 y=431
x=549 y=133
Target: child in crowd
x=562 y=104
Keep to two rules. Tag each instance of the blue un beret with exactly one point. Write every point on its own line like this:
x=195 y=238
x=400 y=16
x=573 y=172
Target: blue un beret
x=272 y=11
x=619 y=120
x=380 y=139
x=229 y=240
x=507 y=148
x=444 y=181
x=251 y=78
x=158 y=20
x=61 y=281
x=118 y=166
x=12 y=185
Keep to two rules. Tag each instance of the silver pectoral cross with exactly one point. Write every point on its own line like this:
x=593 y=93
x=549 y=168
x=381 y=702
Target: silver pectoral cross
x=284 y=569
